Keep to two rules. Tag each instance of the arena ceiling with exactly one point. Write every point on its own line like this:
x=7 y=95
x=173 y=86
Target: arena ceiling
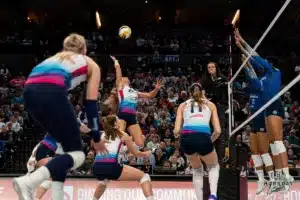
x=192 y=10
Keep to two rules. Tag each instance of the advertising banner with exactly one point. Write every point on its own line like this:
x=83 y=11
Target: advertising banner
x=80 y=189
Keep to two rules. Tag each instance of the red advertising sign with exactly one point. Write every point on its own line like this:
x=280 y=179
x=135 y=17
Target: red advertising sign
x=84 y=189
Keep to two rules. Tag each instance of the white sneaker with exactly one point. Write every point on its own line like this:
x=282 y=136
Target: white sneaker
x=274 y=186
x=261 y=185
x=22 y=188
x=287 y=183
x=290 y=180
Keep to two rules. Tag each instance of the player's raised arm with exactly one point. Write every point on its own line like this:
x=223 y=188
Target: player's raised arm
x=118 y=70
x=153 y=93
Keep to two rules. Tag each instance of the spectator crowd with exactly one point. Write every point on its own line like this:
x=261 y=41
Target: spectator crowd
x=156 y=116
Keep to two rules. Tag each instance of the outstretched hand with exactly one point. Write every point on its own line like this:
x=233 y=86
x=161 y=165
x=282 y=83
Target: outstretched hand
x=244 y=59
x=158 y=84
x=238 y=36
x=113 y=58
x=116 y=62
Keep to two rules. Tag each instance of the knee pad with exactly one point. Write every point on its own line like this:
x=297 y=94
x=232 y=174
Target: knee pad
x=273 y=149
x=145 y=178
x=257 y=160
x=198 y=171
x=46 y=184
x=78 y=158
x=267 y=159
x=104 y=182
x=280 y=147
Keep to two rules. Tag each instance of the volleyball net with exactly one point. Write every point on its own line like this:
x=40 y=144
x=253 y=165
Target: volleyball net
x=231 y=121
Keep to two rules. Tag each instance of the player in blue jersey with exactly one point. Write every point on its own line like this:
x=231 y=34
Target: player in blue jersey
x=128 y=99
x=46 y=99
x=274 y=114
x=259 y=141
x=196 y=138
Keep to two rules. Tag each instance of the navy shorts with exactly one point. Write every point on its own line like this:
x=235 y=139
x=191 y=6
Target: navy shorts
x=109 y=171
x=129 y=118
x=275 y=109
x=43 y=152
x=49 y=105
x=196 y=143
x=258 y=123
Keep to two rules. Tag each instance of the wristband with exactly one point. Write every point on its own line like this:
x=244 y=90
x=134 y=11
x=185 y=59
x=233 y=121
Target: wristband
x=91 y=109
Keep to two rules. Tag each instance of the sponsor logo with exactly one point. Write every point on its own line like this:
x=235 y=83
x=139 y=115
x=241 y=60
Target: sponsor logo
x=68 y=193
x=77 y=189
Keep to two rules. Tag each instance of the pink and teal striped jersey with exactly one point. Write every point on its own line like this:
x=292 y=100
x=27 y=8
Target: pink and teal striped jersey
x=128 y=98
x=68 y=73
x=196 y=120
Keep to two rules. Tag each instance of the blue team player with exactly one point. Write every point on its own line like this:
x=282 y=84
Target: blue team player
x=46 y=99
x=274 y=114
x=259 y=141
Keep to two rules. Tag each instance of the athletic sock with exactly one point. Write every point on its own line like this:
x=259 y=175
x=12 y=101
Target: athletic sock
x=37 y=177
x=271 y=175
x=213 y=176
x=286 y=172
x=198 y=182
x=57 y=190
x=260 y=175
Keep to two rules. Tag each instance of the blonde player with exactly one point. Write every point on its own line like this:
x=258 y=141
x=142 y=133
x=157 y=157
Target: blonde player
x=46 y=99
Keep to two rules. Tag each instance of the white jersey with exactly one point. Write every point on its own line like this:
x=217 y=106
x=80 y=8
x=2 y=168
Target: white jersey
x=69 y=72
x=128 y=99
x=113 y=147
x=196 y=119
x=32 y=160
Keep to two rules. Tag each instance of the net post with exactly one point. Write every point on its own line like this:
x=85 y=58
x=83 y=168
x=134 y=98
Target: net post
x=229 y=108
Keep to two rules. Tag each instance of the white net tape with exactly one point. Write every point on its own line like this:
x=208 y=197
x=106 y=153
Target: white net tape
x=284 y=90
x=231 y=132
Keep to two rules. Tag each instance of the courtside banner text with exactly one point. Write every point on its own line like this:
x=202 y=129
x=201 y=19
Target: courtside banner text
x=81 y=189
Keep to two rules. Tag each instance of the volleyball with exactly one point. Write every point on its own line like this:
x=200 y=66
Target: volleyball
x=124 y=32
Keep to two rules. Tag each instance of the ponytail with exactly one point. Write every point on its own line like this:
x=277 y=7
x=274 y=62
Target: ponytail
x=197 y=96
x=111 y=131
